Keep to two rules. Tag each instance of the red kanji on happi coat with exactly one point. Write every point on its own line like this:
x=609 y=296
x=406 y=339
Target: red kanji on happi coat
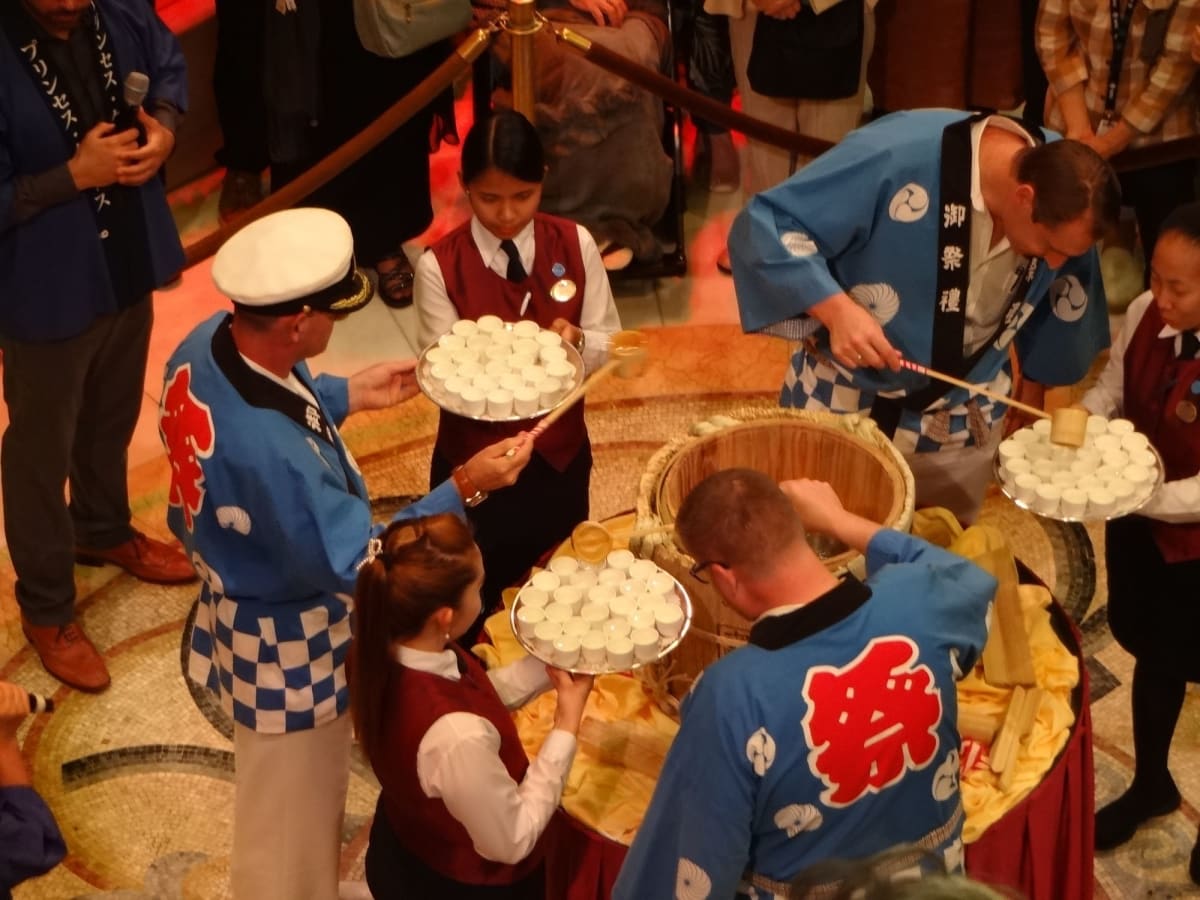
x=186 y=427
x=871 y=720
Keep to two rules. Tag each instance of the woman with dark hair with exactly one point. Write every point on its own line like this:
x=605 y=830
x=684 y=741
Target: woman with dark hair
x=504 y=262
x=462 y=810
x=1153 y=558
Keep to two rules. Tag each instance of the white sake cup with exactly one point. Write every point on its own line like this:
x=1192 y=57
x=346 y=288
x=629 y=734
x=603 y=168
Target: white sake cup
x=549 y=391
x=647 y=600
x=1064 y=478
x=503 y=338
x=526 y=346
x=584 y=579
x=1101 y=502
x=1104 y=474
x=533 y=374
x=531 y=596
x=612 y=577
x=558 y=612
x=1010 y=449
x=525 y=399
x=1084 y=469
x=570 y=597
x=1106 y=442
x=469 y=370
x=437 y=354
x=500 y=403
x=616 y=628
x=460 y=356
x=484 y=382
x=1044 y=469
x=1025 y=487
x=645 y=643
x=1122 y=492
x=622 y=605
x=620 y=559
x=464 y=328
x=1118 y=459
x=575 y=627
x=1074 y=503
x=1120 y=427
x=455 y=385
x=1136 y=475
x=1042 y=428
x=544 y=636
x=662 y=583
x=592 y=647
x=545 y=581
x=1047 y=499
x=549 y=355
x=566 y=651
x=1011 y=468
x=602 y=594
x=1134 y=441
x=473 y=401
x=1097 y=425
x=529 y=618
x=519 y=362
x=631 y=587
x=563 y=566
x=1088 y=454
x=547 y=338
x=489 y=324
x=1036 y=453
x=452 y=342
x=1025 y=436
x=640 y=619
x=512 y=383
x=619 y=652
x=526 y=328
x=668 y=619
x=642 y=569
x=498 y=353
x=562 y=370
x=595 y=614
x=1144 y=458
x=497 y=368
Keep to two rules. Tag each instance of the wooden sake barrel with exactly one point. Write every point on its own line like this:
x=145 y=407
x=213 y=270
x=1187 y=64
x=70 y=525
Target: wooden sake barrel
x=868 y=473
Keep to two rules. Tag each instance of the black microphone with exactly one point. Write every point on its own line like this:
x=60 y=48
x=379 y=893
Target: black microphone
x=137 y=85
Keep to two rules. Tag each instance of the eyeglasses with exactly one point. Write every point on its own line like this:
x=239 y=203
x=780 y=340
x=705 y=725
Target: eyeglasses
x=697 y=571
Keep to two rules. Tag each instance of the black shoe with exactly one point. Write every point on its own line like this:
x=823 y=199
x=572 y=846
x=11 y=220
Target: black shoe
x=1120 y=820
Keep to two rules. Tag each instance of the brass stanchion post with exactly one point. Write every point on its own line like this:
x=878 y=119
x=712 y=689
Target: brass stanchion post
x=522 y=26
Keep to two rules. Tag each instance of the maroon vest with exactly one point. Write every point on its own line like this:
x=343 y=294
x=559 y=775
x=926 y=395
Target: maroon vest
x=422 y=825
x=476 y=290
x=1155 y=383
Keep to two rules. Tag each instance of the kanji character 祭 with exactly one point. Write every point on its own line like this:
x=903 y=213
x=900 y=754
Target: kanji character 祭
x=186 y=426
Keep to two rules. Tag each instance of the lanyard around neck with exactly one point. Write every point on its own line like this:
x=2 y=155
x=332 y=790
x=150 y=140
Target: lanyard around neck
x=1120 y=38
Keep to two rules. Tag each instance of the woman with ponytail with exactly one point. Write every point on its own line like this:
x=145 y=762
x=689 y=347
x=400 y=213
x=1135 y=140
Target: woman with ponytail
x=462 y=811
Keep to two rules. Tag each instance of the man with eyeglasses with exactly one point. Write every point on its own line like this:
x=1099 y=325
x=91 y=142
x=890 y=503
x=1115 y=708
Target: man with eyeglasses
x=833 y=733
x=274 y=513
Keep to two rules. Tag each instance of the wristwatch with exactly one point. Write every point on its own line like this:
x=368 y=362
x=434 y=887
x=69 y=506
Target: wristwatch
x=471 y=494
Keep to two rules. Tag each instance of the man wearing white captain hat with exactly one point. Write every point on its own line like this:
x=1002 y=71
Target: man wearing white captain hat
x=274 y=514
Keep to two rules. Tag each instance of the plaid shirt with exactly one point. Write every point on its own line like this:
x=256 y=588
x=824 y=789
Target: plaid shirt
x=1074 y=41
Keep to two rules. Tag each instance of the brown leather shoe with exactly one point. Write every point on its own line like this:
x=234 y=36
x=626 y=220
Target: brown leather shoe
x=144 y=558
x=68 y=655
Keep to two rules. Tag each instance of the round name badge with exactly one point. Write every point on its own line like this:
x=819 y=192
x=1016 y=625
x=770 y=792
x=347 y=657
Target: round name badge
x=562 y=290
x=1186 y=410
x=558 y=269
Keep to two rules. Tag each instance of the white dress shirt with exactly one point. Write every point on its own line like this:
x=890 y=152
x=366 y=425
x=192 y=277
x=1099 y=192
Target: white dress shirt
x=458 y=761
x=1175 y=501
x=598 y=317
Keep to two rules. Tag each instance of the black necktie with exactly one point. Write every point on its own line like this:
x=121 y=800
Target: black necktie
x=516 y=271
x=1189 y=347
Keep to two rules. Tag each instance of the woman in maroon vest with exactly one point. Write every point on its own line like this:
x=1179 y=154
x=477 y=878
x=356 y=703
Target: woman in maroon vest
x=504 y=262
x=1153 y=378
x=462 y=811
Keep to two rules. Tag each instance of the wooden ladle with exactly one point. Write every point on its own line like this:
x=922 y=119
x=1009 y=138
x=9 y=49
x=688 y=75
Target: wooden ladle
x=1068 y=425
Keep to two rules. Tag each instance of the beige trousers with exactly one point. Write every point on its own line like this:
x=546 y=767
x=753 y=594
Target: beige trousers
x=830 y=120
x=289 y=802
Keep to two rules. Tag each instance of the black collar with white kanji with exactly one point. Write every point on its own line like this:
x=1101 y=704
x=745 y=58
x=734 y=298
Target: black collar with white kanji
x=836 y=604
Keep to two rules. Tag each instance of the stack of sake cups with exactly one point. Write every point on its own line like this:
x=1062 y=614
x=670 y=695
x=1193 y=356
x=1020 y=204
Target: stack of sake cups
x=1112 y=474
x=606 y=618
x=496 y=370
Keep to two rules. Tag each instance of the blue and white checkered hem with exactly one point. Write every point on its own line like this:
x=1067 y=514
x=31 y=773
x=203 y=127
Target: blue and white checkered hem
x=277 y=673
x=812 y=383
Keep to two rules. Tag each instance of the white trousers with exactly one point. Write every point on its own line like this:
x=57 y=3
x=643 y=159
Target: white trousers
x=830 y=120
x=289 y=802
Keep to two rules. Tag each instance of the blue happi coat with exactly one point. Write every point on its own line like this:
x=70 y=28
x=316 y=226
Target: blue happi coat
x=863 y=218
x=274 y=516
x=831 y=735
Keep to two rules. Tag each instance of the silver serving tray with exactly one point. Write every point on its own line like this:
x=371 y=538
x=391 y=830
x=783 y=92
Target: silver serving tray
x=431 y=389
x=1138 y=502
x=665 y=646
